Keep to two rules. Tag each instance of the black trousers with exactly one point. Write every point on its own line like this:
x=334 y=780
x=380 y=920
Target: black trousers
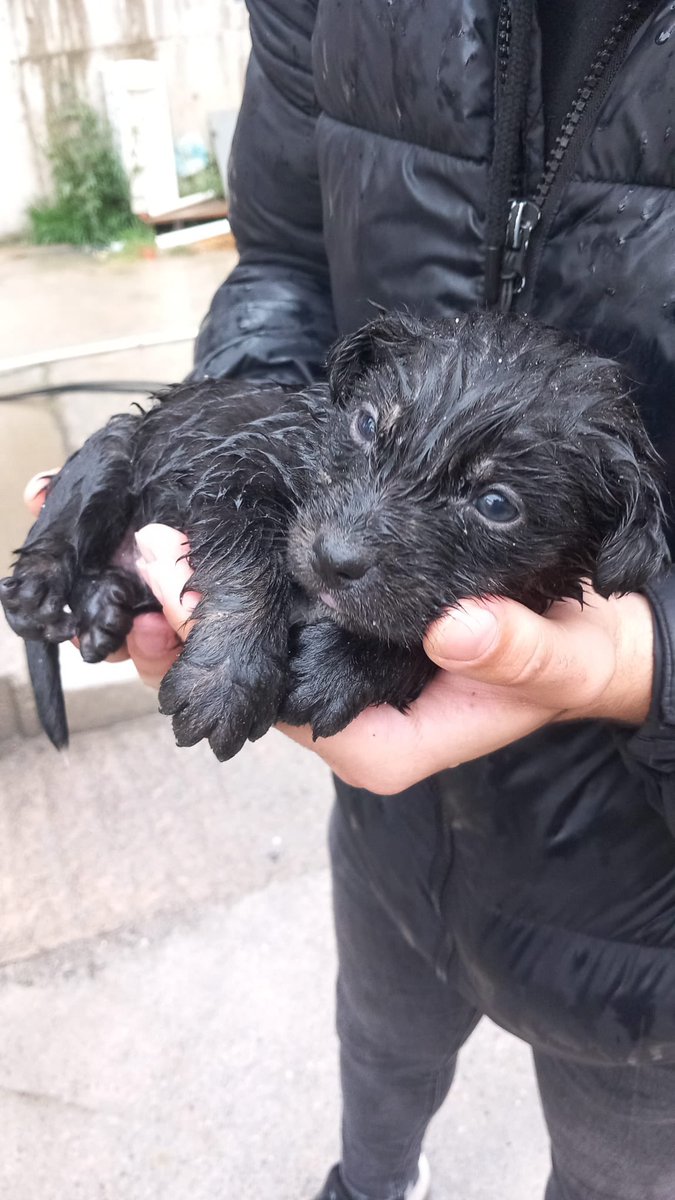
x=405 y=1006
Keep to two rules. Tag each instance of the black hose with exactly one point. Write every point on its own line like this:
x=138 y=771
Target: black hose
x=133 y=386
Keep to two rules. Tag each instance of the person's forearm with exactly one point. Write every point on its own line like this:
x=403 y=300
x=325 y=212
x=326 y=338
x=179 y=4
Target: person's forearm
x=268 y=321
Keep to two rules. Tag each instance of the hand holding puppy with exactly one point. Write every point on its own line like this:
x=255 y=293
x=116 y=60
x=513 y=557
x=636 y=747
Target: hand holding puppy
x=442 y=470
x=506 y=672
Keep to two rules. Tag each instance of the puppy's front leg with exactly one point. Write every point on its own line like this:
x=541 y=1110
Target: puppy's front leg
x=333 y=675
x=229 y=680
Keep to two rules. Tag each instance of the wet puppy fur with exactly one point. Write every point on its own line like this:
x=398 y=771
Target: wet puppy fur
x=329 y=526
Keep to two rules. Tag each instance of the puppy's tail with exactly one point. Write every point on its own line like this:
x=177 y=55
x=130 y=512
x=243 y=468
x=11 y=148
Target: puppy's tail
x=45 y=676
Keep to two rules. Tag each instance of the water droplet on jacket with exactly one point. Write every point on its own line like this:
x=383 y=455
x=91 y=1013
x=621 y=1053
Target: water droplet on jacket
x=621 y=241
x=669 y=130
x=621 y=206
x=610 y=291
x=663 y=36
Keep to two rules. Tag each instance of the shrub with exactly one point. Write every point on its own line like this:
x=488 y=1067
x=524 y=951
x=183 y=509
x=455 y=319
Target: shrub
x=91 y=205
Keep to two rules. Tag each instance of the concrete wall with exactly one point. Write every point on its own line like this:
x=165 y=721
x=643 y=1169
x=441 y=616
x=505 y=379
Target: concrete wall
x=202 y=46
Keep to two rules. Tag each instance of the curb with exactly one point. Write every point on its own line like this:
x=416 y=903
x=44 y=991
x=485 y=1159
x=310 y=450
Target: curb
x=95 y=696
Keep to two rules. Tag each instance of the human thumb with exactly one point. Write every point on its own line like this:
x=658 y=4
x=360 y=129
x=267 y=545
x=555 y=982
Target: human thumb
x=501 y=642
x=463 y=635
x=164 y=567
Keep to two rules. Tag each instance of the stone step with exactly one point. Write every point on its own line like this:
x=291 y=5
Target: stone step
x=95 y=696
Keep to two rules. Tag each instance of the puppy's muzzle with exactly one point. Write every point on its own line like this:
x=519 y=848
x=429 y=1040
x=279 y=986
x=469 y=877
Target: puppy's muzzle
x=338 y=560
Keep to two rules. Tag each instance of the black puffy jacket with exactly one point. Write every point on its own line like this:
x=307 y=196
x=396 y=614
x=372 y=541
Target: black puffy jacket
x=374 y=163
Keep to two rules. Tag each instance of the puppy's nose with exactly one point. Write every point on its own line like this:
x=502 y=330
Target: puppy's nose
x=337 y=560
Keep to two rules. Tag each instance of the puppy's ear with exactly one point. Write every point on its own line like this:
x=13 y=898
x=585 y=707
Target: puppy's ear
x=386 y=339
x=634 y=549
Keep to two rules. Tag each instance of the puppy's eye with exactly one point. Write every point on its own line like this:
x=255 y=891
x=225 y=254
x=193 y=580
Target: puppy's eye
x=497 y=507
x=364 y=427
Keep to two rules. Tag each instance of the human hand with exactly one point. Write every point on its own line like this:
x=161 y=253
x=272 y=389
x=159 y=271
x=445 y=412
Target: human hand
x=152 y=644
x=506 y=672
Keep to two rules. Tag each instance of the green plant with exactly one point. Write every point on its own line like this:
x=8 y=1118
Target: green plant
x=91 y=203
x=206 y=180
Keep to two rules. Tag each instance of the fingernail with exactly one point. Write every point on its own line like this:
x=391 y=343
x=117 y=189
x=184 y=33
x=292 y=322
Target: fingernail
x=148 y=574
x=145 y=547
x=465 y=635
x=38 y=483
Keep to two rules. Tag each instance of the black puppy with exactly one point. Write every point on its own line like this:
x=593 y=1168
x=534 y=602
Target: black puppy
x=329 y=527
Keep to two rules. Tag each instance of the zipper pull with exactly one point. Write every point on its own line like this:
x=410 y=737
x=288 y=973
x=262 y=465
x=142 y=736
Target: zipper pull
x=524 y=216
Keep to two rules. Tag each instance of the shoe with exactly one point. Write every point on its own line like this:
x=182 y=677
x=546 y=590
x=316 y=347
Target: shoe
x=334 y=1188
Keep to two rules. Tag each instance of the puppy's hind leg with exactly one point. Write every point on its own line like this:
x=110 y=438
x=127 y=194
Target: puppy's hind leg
x=105 y=605
x=84 y=518
x=103 y=611
x=61 y=585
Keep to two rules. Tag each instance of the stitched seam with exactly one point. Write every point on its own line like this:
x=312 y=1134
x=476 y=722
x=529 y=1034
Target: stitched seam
x=311 y=112
x=523 y=923
x=667 y=665
x=661 y=708
x=648 y=187
x=401 y=141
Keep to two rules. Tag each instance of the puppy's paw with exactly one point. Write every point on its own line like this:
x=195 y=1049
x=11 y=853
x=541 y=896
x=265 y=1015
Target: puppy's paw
x=104 y=606
x=35 y=597
x=229 y=701
x=328 y=682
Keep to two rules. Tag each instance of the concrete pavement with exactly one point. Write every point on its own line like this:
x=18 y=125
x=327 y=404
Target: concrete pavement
x=166 y=1003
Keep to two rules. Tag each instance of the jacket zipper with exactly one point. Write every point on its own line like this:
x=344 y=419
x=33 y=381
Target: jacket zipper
x=503 y=39
x=526 y=215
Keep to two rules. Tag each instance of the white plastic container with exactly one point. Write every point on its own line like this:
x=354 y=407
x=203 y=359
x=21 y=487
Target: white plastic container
x=138 y=110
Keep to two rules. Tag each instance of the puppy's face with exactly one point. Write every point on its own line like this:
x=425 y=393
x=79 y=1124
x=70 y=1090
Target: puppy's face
x=481 y=458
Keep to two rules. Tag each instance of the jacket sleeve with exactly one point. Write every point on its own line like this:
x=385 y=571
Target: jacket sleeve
x=273 y=318
x=652 y=746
